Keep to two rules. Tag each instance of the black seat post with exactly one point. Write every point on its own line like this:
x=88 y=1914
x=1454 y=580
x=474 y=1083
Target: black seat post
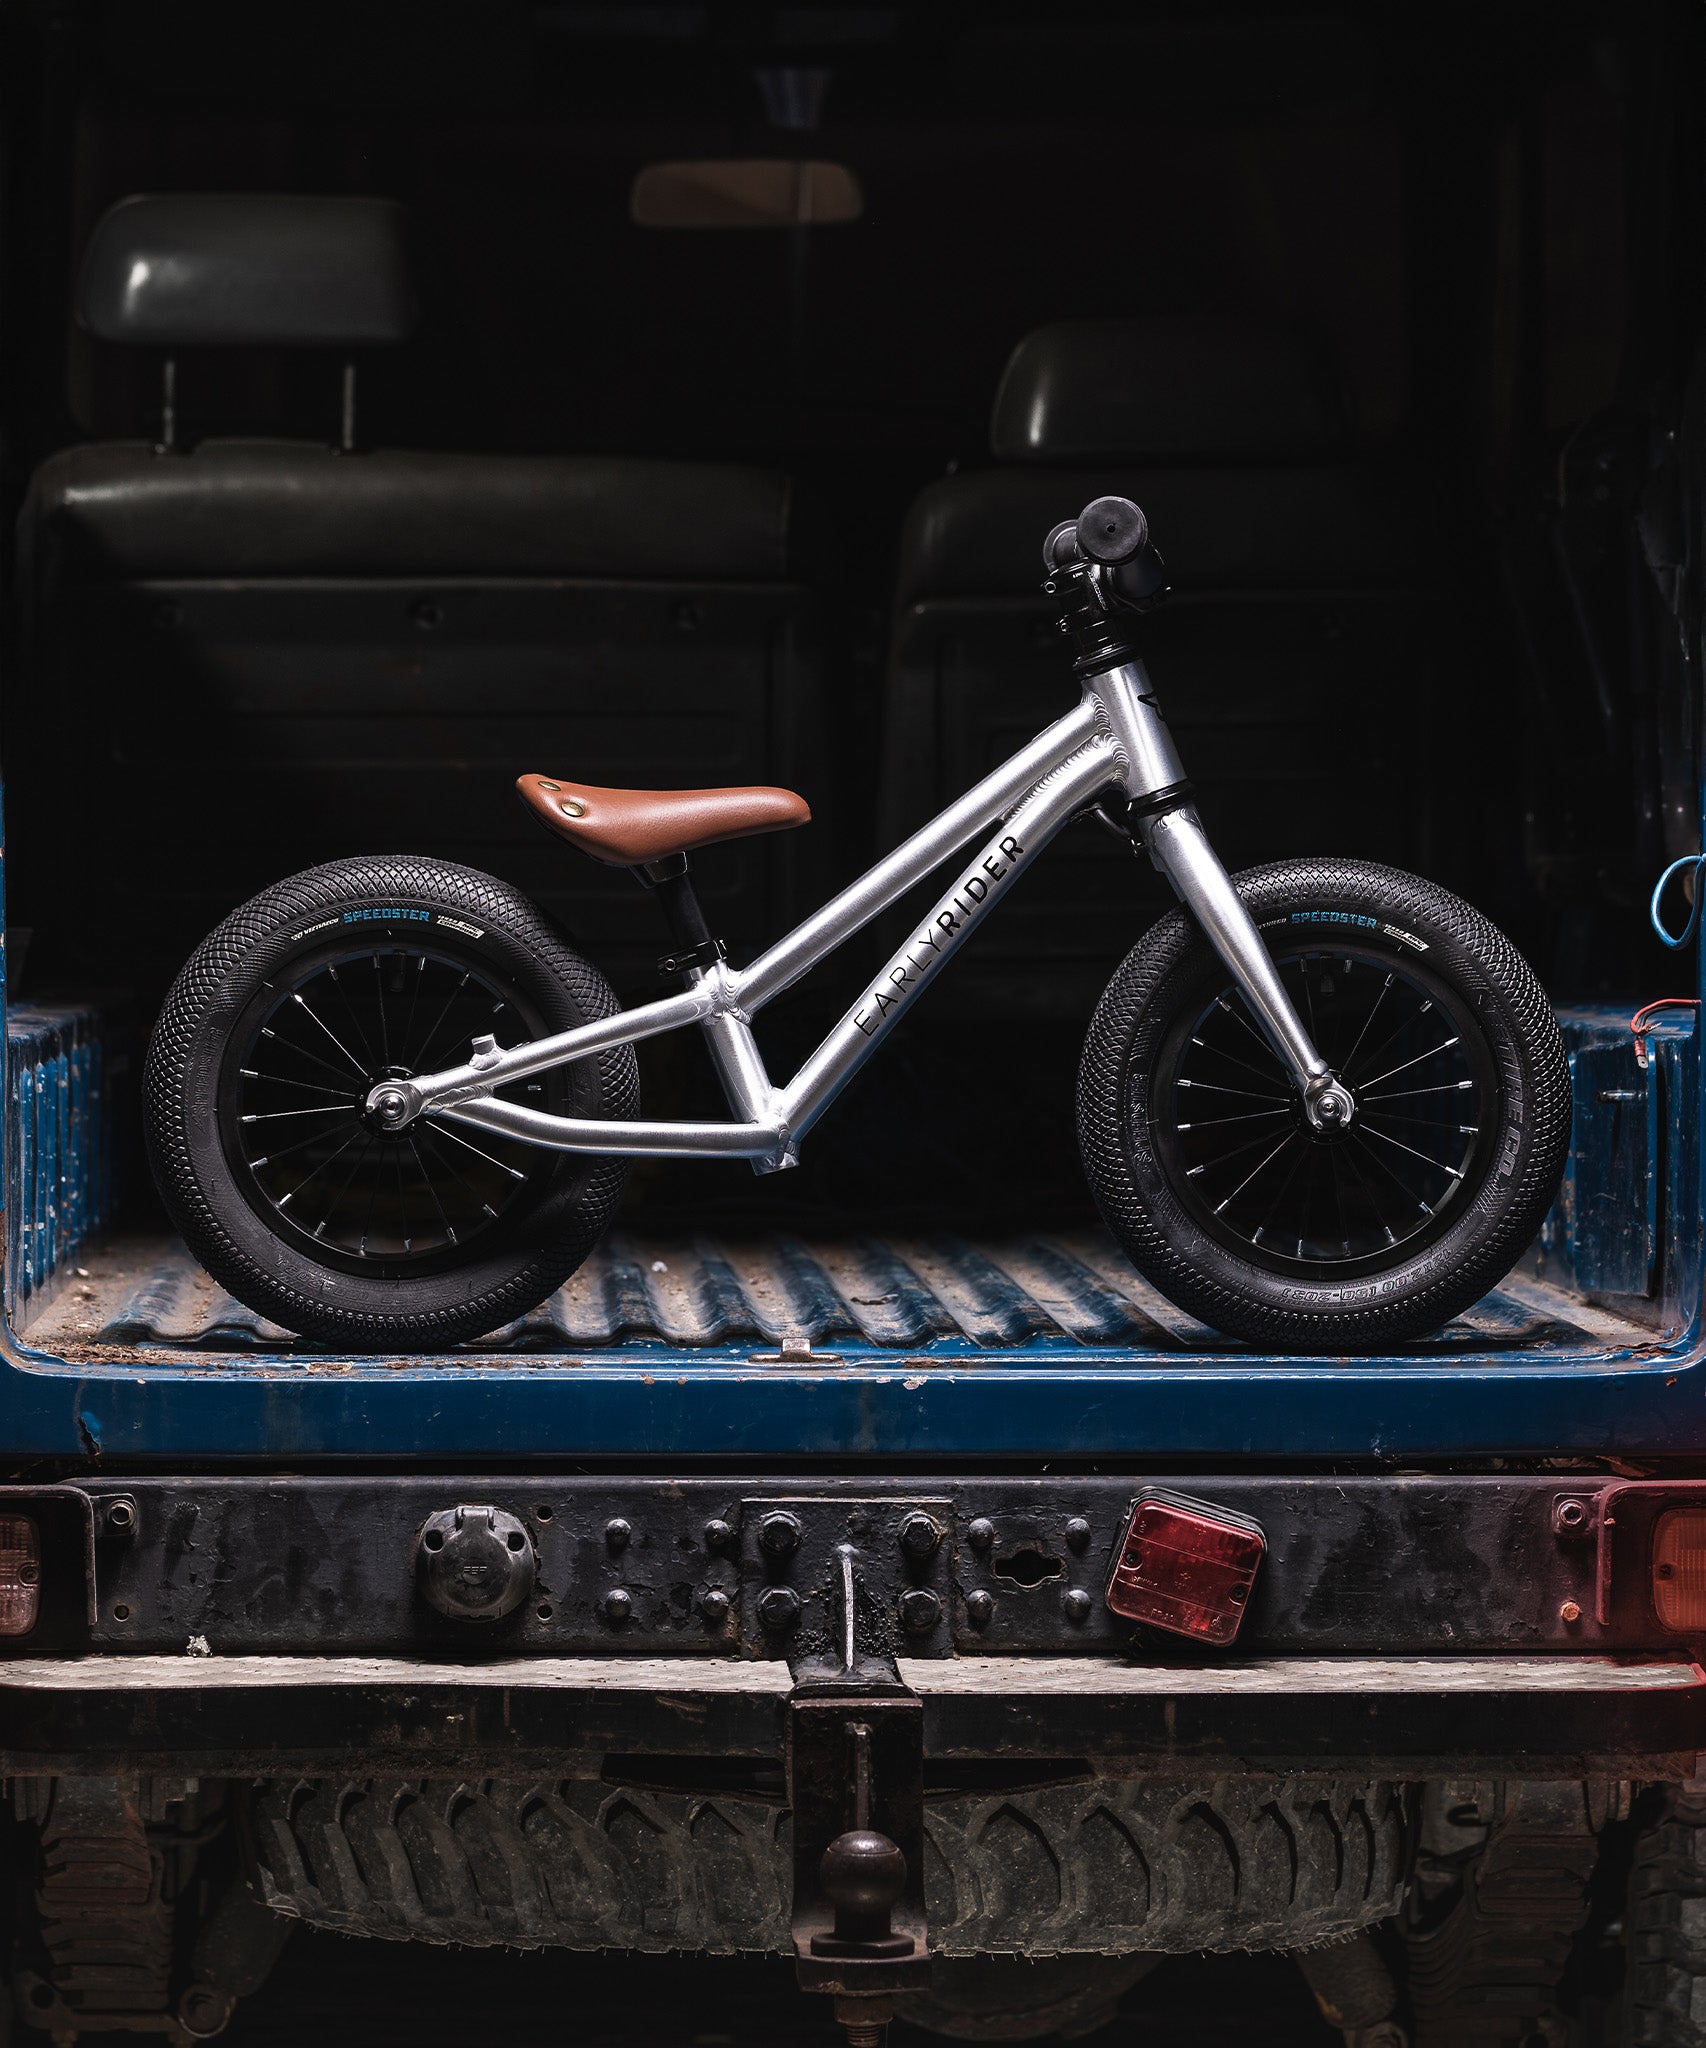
x=669 y=881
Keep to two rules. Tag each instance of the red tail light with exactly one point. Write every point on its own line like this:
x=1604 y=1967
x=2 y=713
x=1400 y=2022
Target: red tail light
x=1186 y=1566
x=20 y=1575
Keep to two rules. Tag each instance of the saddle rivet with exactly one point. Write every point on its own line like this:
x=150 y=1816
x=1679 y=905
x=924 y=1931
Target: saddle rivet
x=570 y=809
x=553 y=787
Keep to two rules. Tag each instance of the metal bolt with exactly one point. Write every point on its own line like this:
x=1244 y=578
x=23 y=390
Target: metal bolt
x=779 y=1535
x=617 y=1533
x=1077 y=1533
x=121 y=1516
x=205 y=2010
x=618 y=1604
x=715 y=1607
x=1078 y=1604
x=718 y=1534
x=979 y=1608
x=919 y=1536
x=1569 y=1611
x=981 y=1533
x=920 y=1611
x=1571 y=1517
x=779 y=1607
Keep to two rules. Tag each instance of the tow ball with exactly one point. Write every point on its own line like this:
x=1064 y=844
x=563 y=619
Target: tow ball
x=856 y=1785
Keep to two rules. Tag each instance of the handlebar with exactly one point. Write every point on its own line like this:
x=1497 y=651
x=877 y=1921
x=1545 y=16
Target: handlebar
x=1112 y=533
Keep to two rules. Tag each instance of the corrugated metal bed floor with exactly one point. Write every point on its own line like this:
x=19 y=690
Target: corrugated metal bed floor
x=740 y=1295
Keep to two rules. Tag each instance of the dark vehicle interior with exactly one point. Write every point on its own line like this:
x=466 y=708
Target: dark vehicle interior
x=686 y=401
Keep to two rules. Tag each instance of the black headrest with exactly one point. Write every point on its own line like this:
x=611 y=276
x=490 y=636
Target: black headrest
x=1187 y=389
x=203 y=269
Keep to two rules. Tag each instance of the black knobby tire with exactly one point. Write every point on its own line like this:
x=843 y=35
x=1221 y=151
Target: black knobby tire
x=478 y=1229
x=1374 y=1236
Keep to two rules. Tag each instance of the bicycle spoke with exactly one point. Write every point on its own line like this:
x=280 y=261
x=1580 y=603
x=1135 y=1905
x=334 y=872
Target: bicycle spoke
x=1403 y=1094
x=360 y=1160
x=302 y=1052
x=1238 y=1017
x=356 y=1028
x=1371 y=1198
x=1219 y=1088
x=314 y=1173
x=407 y=1038
x=331 y=1034
x=1374 y=1052
x=456 y=1137
x=402 y=1198
x=431 y=1186
x=1368 y=1131
x=418 y=1061
x=1385 y=988
x=379 y=1005
x=1416 y=1062
x=285 y=1081
x=1290 y=1138
x=1220 y=1053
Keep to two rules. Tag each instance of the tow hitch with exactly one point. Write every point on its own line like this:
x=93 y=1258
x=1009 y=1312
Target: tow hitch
x=856 y=1785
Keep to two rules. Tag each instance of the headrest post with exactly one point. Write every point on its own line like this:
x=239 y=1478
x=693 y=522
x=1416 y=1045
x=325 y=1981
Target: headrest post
x=346 y=430
x=168 y=441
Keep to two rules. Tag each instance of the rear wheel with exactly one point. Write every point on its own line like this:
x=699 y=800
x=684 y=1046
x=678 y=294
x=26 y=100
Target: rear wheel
x=285 y=1188
x=1220 y=1190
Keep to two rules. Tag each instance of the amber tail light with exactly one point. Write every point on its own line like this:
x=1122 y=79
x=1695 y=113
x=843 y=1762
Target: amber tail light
x=20 y=1575
x=1186 y=1566
x=1679 y=1570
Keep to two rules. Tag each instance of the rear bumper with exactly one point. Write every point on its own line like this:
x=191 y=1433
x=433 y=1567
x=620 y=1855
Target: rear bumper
x=1407 y=1717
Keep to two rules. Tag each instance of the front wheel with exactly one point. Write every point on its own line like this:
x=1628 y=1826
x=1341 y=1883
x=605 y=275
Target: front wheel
x=1214 y=1182
x=289 y=1193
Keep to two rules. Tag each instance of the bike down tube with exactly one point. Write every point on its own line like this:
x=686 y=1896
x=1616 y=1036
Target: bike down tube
x=1022 y=837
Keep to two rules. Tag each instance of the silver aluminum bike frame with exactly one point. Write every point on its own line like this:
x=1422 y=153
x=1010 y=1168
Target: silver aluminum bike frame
x=1116 y=740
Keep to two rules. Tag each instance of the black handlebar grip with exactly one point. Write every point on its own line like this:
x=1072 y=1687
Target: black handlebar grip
x=1061 y=546
x=1112 y=530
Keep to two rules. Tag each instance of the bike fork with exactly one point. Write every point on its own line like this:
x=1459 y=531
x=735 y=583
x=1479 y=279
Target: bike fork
x=1176 y=842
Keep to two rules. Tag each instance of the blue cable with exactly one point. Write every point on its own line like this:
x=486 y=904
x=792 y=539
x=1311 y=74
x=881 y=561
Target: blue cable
x=1689 y=860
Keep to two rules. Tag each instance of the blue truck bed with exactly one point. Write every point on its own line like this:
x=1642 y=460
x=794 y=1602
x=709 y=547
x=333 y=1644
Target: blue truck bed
x=1036 y=1345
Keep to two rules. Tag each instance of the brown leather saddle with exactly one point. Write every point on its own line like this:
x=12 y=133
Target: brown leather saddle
x=630 y=827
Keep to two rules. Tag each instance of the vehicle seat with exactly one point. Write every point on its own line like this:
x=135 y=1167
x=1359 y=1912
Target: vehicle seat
x=1289 y=657
x=288 y=652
